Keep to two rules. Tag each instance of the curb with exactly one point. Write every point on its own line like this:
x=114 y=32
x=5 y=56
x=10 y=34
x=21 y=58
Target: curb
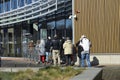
x=89 y=74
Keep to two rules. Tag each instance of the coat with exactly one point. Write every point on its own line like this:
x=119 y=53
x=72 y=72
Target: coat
x=42 y=47
x=68 y=46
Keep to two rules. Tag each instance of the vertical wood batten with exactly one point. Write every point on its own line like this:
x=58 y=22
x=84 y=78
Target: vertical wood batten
x=99 y=20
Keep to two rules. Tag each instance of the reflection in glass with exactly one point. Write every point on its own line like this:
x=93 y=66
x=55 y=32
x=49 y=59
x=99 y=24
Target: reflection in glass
x=69 y=28
x=1 y=7
x=20 y=3
x=28 y=1
x=7 y=6
x=51 y=25
x=13 y=4
x=60 y=24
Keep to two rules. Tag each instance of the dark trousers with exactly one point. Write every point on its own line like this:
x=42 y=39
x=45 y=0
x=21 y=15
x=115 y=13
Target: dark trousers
x=68 y=59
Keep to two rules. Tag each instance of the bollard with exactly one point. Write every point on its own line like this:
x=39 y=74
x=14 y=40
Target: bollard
x=0 y=61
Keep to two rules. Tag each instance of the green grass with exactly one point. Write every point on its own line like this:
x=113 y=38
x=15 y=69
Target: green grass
x=48 y=73
x=6 y=75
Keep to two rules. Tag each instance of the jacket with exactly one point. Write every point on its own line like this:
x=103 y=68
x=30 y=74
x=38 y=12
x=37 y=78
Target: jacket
x=55 y=44
x=85 y=43
x=48 y=45
x=68 y=47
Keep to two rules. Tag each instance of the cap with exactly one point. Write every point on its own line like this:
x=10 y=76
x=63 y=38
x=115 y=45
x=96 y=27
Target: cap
x=83 y=36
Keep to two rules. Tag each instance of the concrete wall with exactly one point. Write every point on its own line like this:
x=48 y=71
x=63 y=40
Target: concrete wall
x=103 y=59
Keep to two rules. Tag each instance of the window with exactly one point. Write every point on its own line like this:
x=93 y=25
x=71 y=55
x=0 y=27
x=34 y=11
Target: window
x=7 y=5
x=28 y=1
x=20 y=3
x=1 y=7
x=69 y=28
x=14 y=4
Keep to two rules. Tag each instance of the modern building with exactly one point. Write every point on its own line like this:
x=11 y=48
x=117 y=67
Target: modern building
x=25 y=20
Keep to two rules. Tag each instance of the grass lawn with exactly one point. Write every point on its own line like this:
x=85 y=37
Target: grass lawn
x=48 y=73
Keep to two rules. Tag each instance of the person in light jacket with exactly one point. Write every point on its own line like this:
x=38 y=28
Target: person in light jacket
x=68 y=46
x=42 y=50
x=85 y=54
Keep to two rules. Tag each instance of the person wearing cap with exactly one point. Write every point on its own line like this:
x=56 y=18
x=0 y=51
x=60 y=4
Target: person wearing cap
x=85 y=54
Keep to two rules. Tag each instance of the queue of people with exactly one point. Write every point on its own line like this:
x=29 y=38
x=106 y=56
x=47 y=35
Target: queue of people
x=60 y=51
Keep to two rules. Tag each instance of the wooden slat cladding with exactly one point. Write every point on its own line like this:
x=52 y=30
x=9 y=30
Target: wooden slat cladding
x=99 y=20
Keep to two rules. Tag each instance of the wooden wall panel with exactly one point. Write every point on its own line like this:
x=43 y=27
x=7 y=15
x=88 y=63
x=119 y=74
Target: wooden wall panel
x=99 y=20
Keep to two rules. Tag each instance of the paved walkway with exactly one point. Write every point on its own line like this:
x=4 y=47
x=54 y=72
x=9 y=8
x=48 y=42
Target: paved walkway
x=18 y=62
x=111 y=72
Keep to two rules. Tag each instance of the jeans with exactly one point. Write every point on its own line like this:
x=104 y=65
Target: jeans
x=85 y=56
x=48 y=54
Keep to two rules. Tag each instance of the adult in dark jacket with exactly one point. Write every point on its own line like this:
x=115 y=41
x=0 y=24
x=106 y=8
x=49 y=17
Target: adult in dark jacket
x=56 y=51
x=48 y=45
x=80 y=49
x=62 y=56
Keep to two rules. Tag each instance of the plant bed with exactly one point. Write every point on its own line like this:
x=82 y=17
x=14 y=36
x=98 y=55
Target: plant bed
x=48 y=73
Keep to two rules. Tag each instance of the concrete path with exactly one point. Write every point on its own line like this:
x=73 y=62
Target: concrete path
x=111 y=72
x=18 y=62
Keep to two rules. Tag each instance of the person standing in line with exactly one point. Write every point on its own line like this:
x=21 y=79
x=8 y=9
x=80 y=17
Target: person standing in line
x=42 y=50
x=47 y=49
x=85 y=54
x=79 y=50
x=62 y=57
x=68 y=49
x=56 y=51
x=31 y=49
x=37 y=48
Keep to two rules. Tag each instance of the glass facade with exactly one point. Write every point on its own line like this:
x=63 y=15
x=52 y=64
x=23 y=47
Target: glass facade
x=7 y=5
x=1 y=6
x=19 y=34
x=13 y=4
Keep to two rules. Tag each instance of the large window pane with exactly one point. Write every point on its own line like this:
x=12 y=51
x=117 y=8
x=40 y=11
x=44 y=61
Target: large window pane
x=7 y=5
x=1 y=7
x=51 y=25
x=13 y=4
x=28 y=1
x=60 y=28
x=60 y=24
x=20 y=3
x=51 y=29
x=69 y=28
